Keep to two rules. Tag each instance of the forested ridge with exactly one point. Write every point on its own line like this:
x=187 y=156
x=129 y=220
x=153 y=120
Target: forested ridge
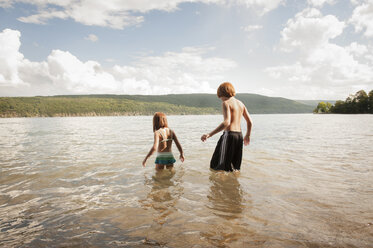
x=108 y=105
x=87 y=106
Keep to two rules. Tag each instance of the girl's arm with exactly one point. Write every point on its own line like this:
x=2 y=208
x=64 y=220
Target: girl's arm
x=178 y=146
x=153 y=149
x=223 y=125
x=249 y=126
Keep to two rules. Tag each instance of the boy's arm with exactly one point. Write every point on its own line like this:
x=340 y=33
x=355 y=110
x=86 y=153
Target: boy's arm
x=177 y=143
x=153 y=149
x=223 y=125
x=249 y=123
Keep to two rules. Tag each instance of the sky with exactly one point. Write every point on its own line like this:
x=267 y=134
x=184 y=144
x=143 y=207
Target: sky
x=309 y=50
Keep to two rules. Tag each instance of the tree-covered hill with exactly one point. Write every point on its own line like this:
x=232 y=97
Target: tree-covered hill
x=256 y=104
x=103 y=105
x=88 y=106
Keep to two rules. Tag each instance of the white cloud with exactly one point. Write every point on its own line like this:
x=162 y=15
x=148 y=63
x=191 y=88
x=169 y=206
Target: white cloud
x=43 y=16
x=63 y=73
x=355 y=2
x=118 y=14
x=261 y=6
x=174 y=72
x=92 y=37
x=10 y=57
x=362 y=18
x=77 y=76
x=5 y=3
x=326 y=66
x=310 y=29
x=320 y=3
x=295 y=72
x=110 y=60
x=357 y=49
x=251 y=28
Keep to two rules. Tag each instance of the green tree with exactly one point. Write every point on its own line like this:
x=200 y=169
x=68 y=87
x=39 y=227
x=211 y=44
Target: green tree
x=320 y=107
x=339 y=107
x=350 y=105
x=359 y=103
x=370 y=102
x=323 y=107
x=362 y=101
x=328 y=107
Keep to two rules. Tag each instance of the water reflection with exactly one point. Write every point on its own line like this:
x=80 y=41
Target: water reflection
x=165 y=192
x=225 y=195
x=232 y=207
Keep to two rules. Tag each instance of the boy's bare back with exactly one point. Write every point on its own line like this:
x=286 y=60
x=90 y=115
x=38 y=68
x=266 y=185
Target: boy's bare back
x=236 y=109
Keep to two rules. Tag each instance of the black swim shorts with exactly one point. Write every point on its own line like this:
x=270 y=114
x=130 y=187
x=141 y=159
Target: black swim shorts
x=228 y=152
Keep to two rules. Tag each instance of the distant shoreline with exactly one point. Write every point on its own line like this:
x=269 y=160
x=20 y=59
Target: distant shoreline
x=96 y=115
x=133 y=105
x=130 y=115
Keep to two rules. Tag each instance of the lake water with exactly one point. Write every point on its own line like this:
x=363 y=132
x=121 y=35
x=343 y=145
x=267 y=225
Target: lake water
x=305 y=181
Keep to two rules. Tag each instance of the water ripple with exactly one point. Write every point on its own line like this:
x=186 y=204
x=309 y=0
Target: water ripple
x=78 y=182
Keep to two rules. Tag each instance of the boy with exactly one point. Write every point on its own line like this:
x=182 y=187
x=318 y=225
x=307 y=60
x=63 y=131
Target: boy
x=228 y=152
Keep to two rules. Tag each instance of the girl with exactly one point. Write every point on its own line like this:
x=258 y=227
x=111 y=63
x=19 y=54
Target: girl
x=163 y=137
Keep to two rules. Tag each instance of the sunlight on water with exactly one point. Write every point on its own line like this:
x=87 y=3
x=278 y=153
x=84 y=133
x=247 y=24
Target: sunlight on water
x=306 y=181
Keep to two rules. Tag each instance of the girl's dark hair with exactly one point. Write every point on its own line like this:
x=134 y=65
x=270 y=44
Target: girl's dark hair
x=159 y=121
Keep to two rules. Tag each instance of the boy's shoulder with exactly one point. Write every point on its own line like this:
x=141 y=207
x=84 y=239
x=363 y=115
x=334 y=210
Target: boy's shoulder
x=235 y=100
x=238 y=104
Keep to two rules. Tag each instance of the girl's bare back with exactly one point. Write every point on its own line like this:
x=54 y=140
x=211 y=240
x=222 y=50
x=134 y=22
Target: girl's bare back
x=165 y=140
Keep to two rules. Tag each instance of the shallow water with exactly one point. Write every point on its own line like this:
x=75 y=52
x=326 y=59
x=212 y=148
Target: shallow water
x=305 y=181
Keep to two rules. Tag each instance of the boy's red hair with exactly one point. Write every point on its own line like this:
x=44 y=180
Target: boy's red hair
x=159 y=121
x=226 y=89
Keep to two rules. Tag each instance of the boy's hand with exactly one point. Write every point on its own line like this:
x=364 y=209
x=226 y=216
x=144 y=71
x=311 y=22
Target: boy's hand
x=144 y=163
x=246 y=140
x=204 y=137
x=182 y=158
